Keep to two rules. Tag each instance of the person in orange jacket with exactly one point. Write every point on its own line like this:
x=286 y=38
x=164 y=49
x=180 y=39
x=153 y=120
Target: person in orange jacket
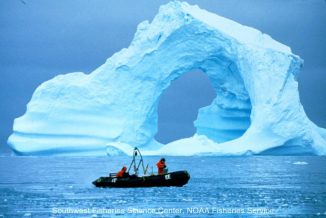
x=161 y=167
x=122 y=172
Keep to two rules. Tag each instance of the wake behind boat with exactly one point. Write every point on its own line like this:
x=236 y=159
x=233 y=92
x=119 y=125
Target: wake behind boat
x=178 y=178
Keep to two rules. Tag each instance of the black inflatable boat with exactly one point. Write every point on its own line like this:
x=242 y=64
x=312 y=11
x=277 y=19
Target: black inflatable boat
x=178 y=178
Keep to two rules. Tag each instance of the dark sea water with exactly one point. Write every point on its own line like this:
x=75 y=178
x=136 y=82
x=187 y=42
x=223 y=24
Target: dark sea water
x=259 y=186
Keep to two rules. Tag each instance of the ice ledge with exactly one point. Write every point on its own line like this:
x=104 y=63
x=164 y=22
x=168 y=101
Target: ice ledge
x=241 y=33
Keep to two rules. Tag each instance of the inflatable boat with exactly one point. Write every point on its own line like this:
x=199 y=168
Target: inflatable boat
x=178 y=178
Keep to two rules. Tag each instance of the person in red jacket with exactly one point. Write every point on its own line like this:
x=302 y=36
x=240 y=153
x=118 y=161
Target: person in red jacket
x=161 y=167
x=122 y=172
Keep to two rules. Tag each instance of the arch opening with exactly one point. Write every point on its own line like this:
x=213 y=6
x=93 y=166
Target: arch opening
x=179 y=105
x=225 y=116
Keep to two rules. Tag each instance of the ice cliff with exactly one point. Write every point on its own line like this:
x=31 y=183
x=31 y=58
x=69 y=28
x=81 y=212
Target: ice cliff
x=257 y=109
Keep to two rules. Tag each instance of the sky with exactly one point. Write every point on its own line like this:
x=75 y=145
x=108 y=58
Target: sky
x=43 y=38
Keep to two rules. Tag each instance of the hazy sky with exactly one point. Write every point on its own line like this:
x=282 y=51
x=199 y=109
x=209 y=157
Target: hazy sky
x=42 y=38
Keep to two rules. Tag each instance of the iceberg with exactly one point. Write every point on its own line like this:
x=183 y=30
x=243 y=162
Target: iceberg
x=257 y=108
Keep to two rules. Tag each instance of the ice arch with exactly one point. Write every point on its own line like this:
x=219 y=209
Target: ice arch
x=117 y=103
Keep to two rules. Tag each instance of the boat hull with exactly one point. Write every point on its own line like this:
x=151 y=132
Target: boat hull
x=179 y=178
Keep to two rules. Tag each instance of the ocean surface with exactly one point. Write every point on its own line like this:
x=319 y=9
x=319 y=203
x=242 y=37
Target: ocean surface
x=257 y=186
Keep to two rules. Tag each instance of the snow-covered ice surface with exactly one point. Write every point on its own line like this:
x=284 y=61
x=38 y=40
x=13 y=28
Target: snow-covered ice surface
x=257 y=108
x=36 y=186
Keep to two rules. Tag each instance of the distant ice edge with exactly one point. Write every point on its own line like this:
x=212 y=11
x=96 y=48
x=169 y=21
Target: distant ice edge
x=257 y=109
